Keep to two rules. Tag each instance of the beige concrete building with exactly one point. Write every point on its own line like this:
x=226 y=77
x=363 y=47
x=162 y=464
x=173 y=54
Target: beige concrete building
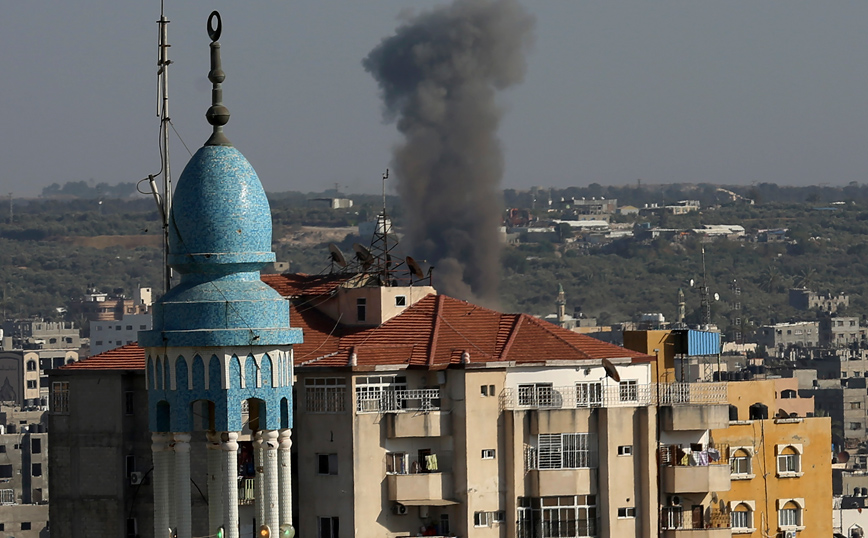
x=449 y=419
x=23 y=473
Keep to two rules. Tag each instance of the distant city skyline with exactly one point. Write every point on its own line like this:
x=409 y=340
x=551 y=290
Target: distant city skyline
x=665 y=92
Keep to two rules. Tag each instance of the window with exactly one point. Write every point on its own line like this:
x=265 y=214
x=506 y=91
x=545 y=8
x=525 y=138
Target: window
x=444 y=524
x=627 y=512
x=25 y=525
x=789 y=460
x=36 y=469
x=31 y=366
x=741 y=516
x=855 y=405
x=327 y=527
x=130 y=465
x=789 y=514
x=129 y=402
x=325 y=394
x=6 y=471
x=589 y=394
x=788 y=394
x=132 y=528
x=378 y=393
x=361 y=309
x=396 y=463
x=60 y=397
x=487 y=390
x=740 y=461
x=673 y=518
x=400 y=300
x=117 y=327
x=129 y=327
x=566 y=451
x=625 y=450
x=2 y=449
x=486 y=519
x=488 y=454
x=7 y=496
x=98 y=342
x=855 y=425
x=558 y=517
x=536 y=394
x=32 y=384
x=143 y=327
x=628 y=390
x=327 y=464
x=35 y=445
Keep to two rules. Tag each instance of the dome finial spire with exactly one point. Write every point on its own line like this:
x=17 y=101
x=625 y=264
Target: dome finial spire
x=217 y=115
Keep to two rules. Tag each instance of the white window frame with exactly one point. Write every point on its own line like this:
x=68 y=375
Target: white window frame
x=536 y=395
x=397 y=463
x=627 y=512
x=566 y=451
x=371 y=391
x=747 y=460
x=325 y=394
x=791 y=518
x=747 y=519
x=625 y=450
x=589 y=394
x=792 y=463
x=628 y=390
x=488 y=453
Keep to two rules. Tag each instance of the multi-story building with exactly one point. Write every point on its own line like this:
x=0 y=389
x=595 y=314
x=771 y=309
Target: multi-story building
x=805 y=299
x=100 y=447
x=31 y=348
x=106 y=335
x=23 y=473
x=841 y=331
x=790 y=340
x=99 y=306
x=781 y=471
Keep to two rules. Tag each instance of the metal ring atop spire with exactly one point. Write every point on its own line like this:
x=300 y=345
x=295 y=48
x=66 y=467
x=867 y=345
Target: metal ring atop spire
x=214 y=32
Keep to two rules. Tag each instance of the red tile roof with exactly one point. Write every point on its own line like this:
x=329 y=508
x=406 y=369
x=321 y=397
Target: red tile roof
x=436 y=331
x=128 y=357
x=301 y=285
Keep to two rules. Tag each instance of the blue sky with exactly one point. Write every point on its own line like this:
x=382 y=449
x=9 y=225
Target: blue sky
x=616 y=90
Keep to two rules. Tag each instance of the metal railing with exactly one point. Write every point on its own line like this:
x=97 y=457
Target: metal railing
x=675 y=456
x=397 y=400
x=624 y=395
x=681 y=519
x=246 y=490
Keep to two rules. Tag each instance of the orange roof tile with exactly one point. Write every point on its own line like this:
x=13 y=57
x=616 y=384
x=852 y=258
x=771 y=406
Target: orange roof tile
x=300 y=284
x=128 y=357
x=436 y=331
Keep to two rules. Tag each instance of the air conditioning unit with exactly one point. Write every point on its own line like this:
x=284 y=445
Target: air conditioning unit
x=674 y=500
x=789 y=534
x=136 y=478
x=399 y=509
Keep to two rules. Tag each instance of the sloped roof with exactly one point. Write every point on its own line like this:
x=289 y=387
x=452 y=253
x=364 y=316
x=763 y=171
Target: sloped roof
x=128 y=357
x=302 y=285
x=437 y=330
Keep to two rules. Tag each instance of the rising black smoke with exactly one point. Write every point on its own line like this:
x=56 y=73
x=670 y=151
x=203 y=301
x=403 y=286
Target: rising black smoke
x=438 y=76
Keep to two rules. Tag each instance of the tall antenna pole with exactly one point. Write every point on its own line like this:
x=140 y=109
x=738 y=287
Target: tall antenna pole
x=705 y=303
x=163 y=104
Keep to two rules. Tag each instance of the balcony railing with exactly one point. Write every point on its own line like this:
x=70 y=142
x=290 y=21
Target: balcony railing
x=246 y=490
x=678 y=518
x=675 y=456
x=595 y=395
x=398 y=400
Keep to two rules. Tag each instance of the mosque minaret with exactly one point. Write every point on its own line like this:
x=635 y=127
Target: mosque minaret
x=221 y=341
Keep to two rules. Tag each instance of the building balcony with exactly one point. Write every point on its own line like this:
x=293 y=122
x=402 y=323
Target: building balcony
x=596 y=394
x=434 y=423
x=678 y=522
x=695 y=479
x=557 y=482
x=420 y=488
x=398 y=401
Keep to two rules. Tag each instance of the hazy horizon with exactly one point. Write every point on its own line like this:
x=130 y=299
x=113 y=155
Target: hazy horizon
x=666 y=92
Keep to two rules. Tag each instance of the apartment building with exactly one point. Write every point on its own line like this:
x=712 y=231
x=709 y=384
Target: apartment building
x=23 y=473
x=781 y=471
x=452 y=419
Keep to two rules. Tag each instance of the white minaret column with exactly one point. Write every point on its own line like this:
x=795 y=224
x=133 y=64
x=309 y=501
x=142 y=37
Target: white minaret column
x=182 y=485
x=284 y=463
x=215 y=482
x=259 y=481
x=230 y=483
x=162 y=470
x=272 y=500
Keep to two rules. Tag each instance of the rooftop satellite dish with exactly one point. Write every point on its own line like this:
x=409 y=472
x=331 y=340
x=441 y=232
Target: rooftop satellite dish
x=783 y=414
x=716 y=296
x=415 y=270
x=611 y=371
x=843 y=457
x=337 y=256
x=363 y=255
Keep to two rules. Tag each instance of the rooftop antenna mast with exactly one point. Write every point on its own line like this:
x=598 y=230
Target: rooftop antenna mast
x=704 y=302
x=164 y=201
x=380 y=243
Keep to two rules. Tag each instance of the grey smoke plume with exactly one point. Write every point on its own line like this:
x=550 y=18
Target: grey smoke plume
x=438 y=76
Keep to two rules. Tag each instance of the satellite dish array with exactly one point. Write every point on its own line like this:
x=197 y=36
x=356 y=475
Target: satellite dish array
x=362 y=260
